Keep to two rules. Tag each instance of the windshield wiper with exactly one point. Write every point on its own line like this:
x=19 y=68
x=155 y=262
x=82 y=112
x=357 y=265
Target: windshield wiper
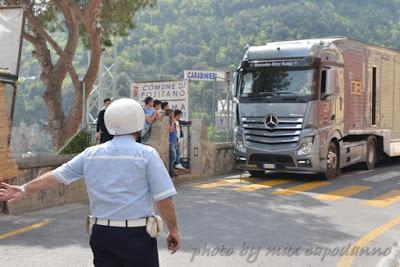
x=260 y=94
x=286 y=93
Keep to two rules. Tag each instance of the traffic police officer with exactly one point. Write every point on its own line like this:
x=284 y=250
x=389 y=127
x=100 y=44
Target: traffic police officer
x=123 y=178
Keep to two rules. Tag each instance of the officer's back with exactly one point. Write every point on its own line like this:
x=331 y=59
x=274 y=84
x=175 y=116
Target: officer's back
x=123 y=180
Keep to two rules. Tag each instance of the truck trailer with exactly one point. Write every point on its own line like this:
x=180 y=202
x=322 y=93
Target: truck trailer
x=316 y=106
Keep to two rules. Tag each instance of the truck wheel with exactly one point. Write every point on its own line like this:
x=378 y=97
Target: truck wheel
x=332 y=161
x=372 y=155
x=256 y=173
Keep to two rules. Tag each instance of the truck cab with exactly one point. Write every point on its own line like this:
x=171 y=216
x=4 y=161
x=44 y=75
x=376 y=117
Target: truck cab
x=289 y=107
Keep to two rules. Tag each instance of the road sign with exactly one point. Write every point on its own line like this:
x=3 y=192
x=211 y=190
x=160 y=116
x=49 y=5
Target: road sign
x=204 y=75
x=174 y=92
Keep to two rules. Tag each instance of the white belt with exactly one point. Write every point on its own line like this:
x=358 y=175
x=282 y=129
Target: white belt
x=118 y=223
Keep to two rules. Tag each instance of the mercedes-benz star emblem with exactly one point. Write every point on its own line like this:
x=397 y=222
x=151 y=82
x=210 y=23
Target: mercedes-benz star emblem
x=271 y=121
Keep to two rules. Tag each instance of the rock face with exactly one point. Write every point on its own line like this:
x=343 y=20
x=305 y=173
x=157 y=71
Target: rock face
x=8 y=167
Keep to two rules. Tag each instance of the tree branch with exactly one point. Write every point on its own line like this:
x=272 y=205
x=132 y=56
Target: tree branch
x=30 y=38
x=74 y=77
x=91 y=8
x=72 y=41
x=35 y=25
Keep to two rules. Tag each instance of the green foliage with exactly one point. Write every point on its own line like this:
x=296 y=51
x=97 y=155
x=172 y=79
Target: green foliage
x=176 y=35
x=79 y=143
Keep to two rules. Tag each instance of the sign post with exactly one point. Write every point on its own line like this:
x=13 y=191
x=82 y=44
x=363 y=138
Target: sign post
x=213 y=76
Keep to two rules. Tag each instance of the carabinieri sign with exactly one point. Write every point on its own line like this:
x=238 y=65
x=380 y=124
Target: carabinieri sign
x=204 y=75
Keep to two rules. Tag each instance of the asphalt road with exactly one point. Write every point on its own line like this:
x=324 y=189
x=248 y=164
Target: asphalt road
x=275 y=220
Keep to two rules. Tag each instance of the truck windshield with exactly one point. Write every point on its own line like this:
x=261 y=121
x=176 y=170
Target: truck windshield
x=278 y=84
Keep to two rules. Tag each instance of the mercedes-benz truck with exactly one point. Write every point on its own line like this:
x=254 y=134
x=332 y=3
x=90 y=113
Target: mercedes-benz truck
x=316 y=106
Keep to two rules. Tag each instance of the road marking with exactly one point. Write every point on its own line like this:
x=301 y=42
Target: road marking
x=222 y=182
x=24 y=229
x=382 y=177
x=384 y=200
x=341 y=193
x=300 y=188
x=347 y=260
x=261 y=185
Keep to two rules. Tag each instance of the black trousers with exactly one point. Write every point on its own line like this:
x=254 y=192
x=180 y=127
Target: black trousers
x=123 y=247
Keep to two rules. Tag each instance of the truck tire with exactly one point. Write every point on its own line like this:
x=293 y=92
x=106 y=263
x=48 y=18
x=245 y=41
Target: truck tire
x=332 y=161
x=372 y=155
x=256 y=173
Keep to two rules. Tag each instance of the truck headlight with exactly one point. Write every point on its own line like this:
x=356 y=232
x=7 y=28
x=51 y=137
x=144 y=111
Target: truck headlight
x=239 y=142
x=306 y=146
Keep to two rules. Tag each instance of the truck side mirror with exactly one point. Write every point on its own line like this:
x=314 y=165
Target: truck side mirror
x=235 y=84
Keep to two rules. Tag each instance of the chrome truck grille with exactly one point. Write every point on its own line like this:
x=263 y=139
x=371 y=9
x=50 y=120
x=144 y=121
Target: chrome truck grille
x=272 y=132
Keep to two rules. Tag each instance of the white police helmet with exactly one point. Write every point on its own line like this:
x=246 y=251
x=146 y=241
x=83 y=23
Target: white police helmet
x=124 y=116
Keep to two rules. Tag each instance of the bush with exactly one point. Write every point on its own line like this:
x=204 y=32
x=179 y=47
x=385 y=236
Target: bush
x=79 y=143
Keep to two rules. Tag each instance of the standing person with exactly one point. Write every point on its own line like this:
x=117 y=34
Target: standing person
x=102 y=134
x=179 y=133
x=172 y=142
x=157 y=108
x=123 y=178
x=157 y=105
x=164 y=107
x=150 y=116
x=149 y=112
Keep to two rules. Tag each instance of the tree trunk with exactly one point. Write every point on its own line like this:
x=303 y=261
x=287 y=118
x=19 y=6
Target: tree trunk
x=53 y=100
x=62 y=126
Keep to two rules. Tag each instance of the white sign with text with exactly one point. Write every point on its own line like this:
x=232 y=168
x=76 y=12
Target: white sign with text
x=173 y=92
x=204 y=75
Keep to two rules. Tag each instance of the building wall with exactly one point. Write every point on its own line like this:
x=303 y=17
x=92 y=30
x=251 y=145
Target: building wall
x=8 y=167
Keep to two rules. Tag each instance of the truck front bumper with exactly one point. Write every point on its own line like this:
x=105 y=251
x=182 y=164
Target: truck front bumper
x=280 y=160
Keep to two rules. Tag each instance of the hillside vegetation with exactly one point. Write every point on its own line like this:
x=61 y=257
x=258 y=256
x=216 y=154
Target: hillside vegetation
x=212 y=34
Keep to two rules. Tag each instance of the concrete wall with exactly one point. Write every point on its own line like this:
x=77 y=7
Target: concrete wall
x=159 y=139
x=30 y=168
x=76 y=192
x=207 y=159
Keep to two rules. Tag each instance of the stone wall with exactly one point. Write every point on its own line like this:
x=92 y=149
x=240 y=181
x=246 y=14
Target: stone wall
x=30 y=168
x=76 y=192
x=207 y=159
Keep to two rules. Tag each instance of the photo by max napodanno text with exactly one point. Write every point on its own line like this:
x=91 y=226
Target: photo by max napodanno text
x=254 y=252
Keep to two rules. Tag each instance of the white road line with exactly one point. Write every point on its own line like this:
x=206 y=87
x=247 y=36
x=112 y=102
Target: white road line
x=382 y=177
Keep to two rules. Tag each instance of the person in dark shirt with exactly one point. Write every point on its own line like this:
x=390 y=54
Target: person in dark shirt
x=102 y=134
x=173 y=139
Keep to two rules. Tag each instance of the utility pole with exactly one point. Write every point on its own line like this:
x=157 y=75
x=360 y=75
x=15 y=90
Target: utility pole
x=213 y=105
x=228 y=101
x=114 y=71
